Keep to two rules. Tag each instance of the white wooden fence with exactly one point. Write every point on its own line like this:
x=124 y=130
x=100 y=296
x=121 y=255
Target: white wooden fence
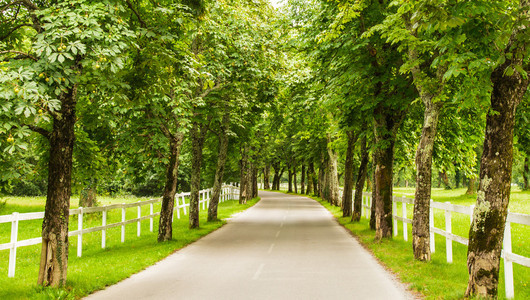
x=227 y=192
x=448 y=208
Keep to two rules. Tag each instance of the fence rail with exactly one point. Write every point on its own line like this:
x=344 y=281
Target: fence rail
x=227 y=192
x=449 y=208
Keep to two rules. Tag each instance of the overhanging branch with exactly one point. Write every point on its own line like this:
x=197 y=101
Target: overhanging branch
x=20 y=53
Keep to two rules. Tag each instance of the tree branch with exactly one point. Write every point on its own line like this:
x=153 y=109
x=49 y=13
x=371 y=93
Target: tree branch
x=13 y=30
x=20 y=53
x=208 y=91
x=38 y=129
x=3 y=8
x=129 y=4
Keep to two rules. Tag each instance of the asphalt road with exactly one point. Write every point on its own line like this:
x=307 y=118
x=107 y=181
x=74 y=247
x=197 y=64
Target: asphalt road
x=285 y=247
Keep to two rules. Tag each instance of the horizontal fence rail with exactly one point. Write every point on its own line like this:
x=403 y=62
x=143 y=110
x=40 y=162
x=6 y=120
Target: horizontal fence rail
x=448 y=208
x=228 y=192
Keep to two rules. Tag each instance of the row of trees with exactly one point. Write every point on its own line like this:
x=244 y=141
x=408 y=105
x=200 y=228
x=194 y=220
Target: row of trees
x=131 y=92
x=378 y=86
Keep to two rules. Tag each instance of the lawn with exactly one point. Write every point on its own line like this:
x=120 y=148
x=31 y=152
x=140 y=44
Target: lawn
x=97 y=267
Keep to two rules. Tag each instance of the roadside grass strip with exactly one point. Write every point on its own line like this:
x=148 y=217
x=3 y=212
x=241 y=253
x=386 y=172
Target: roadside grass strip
x=98 y=267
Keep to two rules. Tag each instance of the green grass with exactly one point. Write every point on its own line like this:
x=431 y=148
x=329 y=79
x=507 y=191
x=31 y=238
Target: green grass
x=438 y=279
x=91 y=272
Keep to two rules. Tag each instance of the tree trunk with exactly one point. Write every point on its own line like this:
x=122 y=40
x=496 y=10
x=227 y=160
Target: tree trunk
x=348 y=176
x=471 y=186
x=372 y=206
x=254 y=175
x=422 y=197
x=333 y=182
x=244 y=190
x=54 y=255
x=445 y=179
x=386 y=124
x=88 y=196
x=310 y=179
x=276 y=177
x=321 y=180
x=489 y=217
x=526 y=173
x=294 y=179
x=198 y=134
x=302 y=180
x=266 y=177
x=458 y=177
x=220 y=170
x=359 y=186
x=290 y=175
x=165 y=227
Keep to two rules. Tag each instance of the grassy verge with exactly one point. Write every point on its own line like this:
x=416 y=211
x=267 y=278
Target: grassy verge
x=436 y=279
x=97 y=268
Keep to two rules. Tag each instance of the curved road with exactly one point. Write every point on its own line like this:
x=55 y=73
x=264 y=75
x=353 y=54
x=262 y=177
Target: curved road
x=285 y=247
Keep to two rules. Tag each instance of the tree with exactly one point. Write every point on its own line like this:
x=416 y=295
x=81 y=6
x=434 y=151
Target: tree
x=71 y=43
x=510 y=83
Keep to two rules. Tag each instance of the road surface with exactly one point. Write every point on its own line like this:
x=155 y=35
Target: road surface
x=285 y=247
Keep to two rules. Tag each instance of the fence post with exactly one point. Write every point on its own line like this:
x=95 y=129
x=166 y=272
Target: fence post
x=431 y=228
x=80 y=235
x=508 y=265
x=151 y=219
x=13 y=250
x=184 y=205
x=123 y=225
x=104 y=231
x=472 y=209
x=177 y=197
x=394 y=215
x=448 y=240
x=139 y=224
x=405 y=230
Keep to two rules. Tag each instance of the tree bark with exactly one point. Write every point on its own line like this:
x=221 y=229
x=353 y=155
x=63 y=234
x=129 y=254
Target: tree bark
x=310 y=179
x=526 y=173
x=254 y=174
x=244 y=189
x=88 y=196
x=198 y=134
x=321 y=180
x=54 y=254
x=422 y=197
x=302 y=180
x=333 y=182
x=220 y=170
x=165 y=227
x=347 y=193
x=372 y=206
x=489 y=217
x=290 y=175
x=276 y=177
x=266 y=177
x=294 y=179
x=471 y=186
x=386 y=124
x=359 y=186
